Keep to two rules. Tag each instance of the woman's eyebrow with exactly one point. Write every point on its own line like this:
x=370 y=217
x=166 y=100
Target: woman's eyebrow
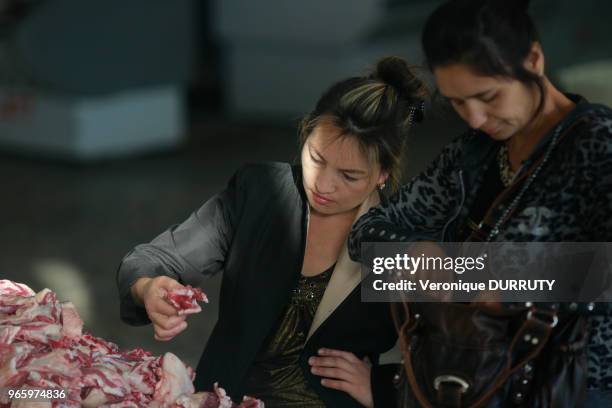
x=354 y=171
x=476 y=95
x=312 y=149
x=480 y=94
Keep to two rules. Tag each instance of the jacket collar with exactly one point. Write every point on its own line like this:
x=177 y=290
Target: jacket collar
x=345 y=277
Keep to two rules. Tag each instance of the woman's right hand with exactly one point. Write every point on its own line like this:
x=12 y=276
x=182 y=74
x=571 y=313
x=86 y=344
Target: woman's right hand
x=151 y=293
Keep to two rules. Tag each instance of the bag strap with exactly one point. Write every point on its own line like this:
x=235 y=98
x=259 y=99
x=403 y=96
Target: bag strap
x=526 y=344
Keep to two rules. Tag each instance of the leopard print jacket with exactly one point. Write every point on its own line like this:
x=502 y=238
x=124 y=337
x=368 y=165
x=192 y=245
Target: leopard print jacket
x=569 y=201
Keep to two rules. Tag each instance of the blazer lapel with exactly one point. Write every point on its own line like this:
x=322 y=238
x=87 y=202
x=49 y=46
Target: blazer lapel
x=345 y=277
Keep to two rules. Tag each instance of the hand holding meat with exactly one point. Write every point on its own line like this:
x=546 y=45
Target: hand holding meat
x=152 y=293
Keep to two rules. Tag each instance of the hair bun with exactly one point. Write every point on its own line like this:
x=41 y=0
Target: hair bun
x=395 y=72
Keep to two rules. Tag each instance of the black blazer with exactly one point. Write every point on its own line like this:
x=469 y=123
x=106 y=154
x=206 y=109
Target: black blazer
x=255 y=232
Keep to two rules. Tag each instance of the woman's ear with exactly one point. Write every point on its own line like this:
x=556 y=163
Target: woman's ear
x=535 y=59
x=382 y=179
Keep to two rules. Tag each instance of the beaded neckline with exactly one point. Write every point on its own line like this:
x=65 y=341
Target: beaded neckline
x=515 y=202
x=505 y=171
x=310 y=289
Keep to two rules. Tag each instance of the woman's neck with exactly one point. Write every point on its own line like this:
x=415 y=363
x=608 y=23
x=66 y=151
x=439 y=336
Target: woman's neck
x=345 y=217
x=325 y=239
x=556 y=107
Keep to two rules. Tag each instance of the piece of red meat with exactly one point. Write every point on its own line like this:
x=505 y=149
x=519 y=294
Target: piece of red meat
x=186 y=299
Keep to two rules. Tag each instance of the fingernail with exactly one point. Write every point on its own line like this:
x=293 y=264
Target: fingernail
x=321 y=351
x=311 y=361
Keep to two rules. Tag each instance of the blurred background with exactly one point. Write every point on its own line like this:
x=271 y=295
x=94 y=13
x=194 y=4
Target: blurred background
x=119 y=118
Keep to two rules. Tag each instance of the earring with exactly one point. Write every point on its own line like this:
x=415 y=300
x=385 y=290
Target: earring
x=381 y=186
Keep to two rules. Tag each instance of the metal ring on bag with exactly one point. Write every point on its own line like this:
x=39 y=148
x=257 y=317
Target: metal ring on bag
x=451 y=379
x=552 y=323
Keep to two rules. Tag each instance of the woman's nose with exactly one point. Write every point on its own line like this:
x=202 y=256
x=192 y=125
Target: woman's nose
x=325 y=182
x=474 y=115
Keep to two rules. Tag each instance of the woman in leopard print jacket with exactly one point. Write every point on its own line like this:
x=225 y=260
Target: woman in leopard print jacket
x=489 y=64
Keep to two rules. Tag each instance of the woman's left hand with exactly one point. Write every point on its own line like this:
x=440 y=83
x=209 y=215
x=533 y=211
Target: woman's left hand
x=345 y=372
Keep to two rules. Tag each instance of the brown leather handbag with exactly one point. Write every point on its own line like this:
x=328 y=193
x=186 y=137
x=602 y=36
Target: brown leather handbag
x=470 y=355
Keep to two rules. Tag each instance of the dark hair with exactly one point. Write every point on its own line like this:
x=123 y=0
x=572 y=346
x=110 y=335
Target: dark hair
x=493 y=37
x=377 y=110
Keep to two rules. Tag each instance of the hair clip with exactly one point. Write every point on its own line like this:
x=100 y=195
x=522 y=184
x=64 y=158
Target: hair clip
x=417 y=112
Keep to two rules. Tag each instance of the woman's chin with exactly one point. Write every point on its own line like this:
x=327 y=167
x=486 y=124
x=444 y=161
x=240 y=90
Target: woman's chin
x=322 y=209
x=499 y=135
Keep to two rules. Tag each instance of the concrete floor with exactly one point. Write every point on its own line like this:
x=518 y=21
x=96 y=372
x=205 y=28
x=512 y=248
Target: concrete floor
x=67 y=226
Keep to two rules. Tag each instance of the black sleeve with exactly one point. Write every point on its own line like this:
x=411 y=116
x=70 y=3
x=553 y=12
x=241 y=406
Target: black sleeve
x=184 y=252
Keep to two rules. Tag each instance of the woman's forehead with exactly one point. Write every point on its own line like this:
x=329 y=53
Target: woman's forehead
x=341 y=149
x=460 y=80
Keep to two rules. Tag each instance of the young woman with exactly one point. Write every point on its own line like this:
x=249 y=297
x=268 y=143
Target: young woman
x=535 y=165
x=278 y=232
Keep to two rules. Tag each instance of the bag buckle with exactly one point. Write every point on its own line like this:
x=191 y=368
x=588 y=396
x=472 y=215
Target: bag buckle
x=439 y=380
x=549 y=319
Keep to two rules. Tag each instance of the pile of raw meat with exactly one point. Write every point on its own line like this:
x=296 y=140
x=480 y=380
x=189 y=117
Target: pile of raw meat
x=42 y=346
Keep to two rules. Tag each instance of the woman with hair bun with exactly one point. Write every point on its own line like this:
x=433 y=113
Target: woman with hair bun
x=535 y=165
x=278 y=232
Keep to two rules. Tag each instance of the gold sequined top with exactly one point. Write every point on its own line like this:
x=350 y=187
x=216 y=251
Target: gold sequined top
x=276 y=376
